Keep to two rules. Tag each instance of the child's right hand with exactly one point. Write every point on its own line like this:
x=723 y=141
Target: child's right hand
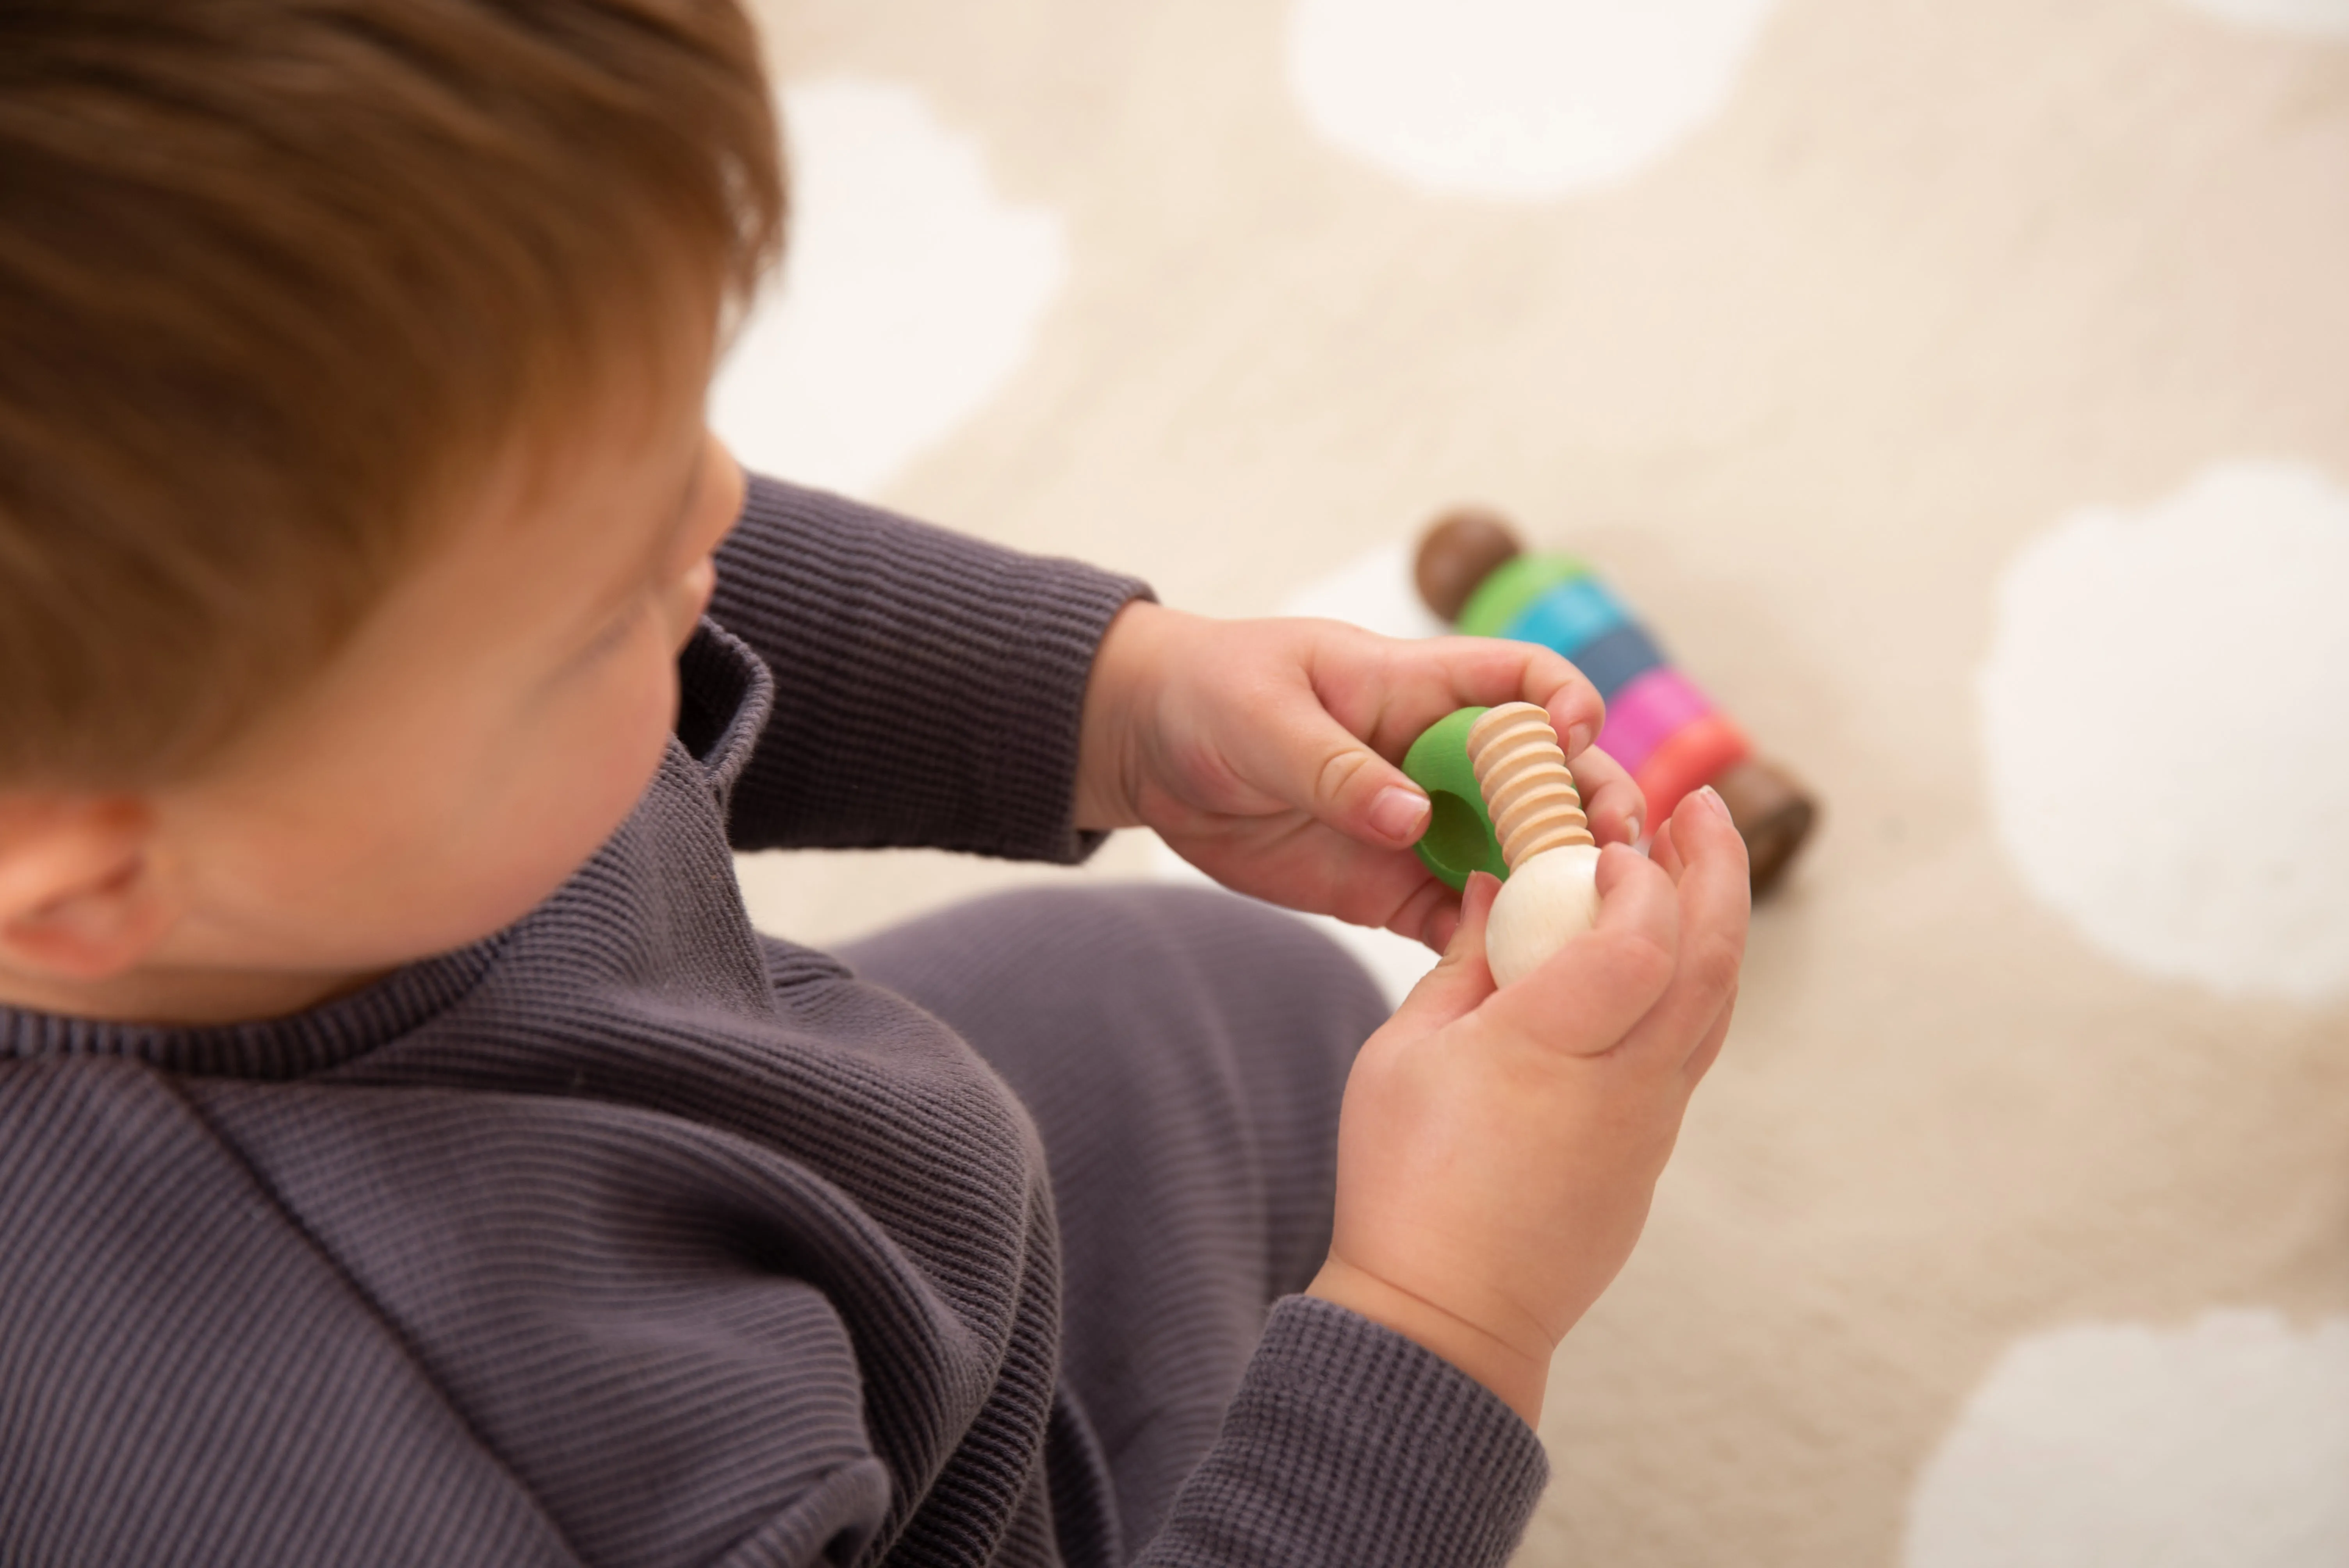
x=1497 y=1151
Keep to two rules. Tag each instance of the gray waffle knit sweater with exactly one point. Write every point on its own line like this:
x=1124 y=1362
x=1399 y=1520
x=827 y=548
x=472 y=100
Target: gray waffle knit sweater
x=624 y=1238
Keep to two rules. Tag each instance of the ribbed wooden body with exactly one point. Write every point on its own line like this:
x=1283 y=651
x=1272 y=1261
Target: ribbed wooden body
x=1528 y=791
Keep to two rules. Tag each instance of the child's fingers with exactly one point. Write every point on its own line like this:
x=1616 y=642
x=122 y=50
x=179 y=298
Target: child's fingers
x=1417 y=683
x=1426 y=680
x=1477 y=896
x=1454 y=987
x=1714 y=901
x=1442 y=927
x=1430 y=915
x=1609 y=797
x=1589 y=995
x=1576 y=710
x=1391 y=692
x=1665 y=852
x=1708 y=1050
x=1307 y=759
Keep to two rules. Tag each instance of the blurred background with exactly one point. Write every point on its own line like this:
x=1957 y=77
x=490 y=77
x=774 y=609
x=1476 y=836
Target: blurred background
x=1961 y=393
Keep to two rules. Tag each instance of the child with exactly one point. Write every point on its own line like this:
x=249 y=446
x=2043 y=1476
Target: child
x=408 y=1154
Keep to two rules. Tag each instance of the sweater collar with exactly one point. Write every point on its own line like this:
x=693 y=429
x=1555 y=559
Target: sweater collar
x=726 y=693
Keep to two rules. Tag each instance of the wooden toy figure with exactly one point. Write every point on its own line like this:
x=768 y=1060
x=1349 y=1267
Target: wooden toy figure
x=1473 y=572
x=1505 y=803
x=1551 y=891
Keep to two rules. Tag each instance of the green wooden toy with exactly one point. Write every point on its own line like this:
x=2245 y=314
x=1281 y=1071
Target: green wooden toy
x=1459 y=837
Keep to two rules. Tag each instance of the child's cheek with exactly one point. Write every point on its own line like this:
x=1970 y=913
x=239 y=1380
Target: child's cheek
x=624 y=734
x=589 y=768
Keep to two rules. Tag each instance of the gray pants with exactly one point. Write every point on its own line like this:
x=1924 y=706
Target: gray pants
x=1183 y=1052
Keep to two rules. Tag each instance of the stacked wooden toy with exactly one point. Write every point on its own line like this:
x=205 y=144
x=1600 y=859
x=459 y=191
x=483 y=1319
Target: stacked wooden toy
x=1507 y=803
x=1551 y=891
x=1660 y=725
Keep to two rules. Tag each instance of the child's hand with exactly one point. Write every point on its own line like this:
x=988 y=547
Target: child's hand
x=1497 y=1151
x=1265 y=752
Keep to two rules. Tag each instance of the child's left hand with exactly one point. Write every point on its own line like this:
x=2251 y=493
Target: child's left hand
x=1264 y=752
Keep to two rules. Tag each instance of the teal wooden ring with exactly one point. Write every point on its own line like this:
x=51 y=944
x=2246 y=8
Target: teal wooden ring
x=1459 y=837
x=1570 y=616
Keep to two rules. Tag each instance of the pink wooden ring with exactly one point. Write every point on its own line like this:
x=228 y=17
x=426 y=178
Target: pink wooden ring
x=1646 y=712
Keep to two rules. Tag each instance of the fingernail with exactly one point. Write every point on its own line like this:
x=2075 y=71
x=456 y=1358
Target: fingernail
x=1577 y=738
x=1398 y=812
x=1631 y=830
x=1712 y=798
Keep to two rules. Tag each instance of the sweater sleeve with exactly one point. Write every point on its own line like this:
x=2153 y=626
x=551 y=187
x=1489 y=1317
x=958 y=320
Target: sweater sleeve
x=1350 y=1444
x=928 y=686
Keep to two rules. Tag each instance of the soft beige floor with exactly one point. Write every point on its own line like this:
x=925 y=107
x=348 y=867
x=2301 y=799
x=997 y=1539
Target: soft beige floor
x=1937 y=277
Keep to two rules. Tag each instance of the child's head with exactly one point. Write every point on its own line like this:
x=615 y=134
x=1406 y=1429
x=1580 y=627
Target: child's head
x=354 y=490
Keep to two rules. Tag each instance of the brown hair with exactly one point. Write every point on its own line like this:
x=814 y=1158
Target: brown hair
x=275 y=275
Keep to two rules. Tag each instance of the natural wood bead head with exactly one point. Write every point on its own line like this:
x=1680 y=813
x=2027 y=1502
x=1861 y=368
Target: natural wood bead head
x=1458 y=552
x=1545 y=904
x=1528 y=791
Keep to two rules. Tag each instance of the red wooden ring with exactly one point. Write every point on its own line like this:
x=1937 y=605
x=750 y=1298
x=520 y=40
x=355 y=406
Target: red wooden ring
x=1690 y=759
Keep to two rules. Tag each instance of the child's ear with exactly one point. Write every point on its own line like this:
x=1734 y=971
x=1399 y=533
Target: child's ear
x=78 y=898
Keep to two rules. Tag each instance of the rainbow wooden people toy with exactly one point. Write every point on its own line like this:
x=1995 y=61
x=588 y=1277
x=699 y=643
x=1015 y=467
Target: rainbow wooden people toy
x=1473 y=572
x=1552 y=889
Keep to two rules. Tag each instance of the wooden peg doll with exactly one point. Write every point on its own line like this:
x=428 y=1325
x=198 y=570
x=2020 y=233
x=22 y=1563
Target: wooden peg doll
x=1473 y=571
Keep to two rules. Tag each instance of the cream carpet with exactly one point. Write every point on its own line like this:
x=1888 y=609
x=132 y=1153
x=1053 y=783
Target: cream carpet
x=1962 y=391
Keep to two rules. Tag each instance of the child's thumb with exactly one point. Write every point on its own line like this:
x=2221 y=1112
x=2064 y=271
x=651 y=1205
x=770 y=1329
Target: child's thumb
x=1461 y=979
x=1326 y=770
